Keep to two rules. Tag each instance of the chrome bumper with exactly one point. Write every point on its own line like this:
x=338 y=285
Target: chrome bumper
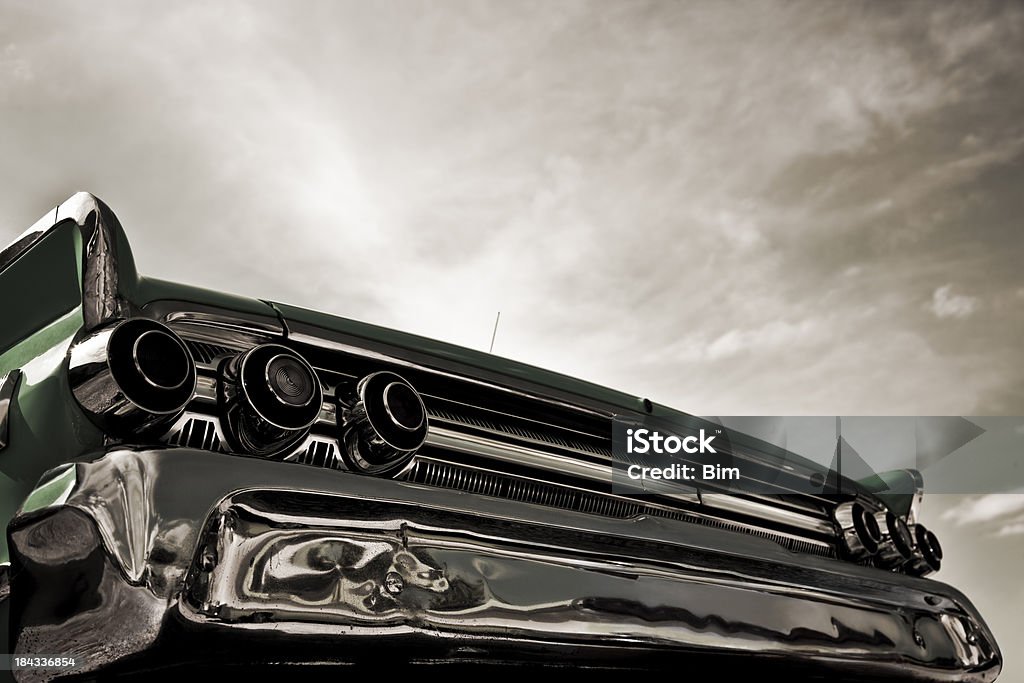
x=141 y=556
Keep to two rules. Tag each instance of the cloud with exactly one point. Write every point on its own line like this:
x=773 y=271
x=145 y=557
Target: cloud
x=987 y=508
x=771 y=335
x=1012 y=529
x=725 y=221
x=945 y=304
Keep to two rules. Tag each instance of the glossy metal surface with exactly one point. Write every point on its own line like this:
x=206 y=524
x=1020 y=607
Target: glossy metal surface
x=525 y=453
x=368 y=351
x=515 y=451
x=446 y=473
x=8 y=385
x=502 y=375
x=544 y=460
x=221 y=322
x=927 y=557
x=110 y=384
x=858 y=530
x=536 y=455
x=382 y=424
x=897 y=546
x=296 y=554
x=5 y=581
x=258 y=420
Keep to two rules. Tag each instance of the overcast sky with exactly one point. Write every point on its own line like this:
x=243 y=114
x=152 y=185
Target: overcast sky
x=732 y=208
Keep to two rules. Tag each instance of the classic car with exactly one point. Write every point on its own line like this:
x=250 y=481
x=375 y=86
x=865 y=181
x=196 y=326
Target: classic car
x=190 y=478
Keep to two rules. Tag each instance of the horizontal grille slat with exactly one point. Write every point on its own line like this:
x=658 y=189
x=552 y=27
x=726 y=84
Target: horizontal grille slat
x=444 y=475
x=519 y=444
x=450 y=476
x=442 y=414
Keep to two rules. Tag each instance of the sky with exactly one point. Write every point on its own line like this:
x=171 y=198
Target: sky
x=732 y=208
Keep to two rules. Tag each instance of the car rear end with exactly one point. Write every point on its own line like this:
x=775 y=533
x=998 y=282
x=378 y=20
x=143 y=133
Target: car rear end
x=252 y=483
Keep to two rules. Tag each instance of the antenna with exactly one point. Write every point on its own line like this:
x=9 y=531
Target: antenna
x=839 y=455
x=495 y=333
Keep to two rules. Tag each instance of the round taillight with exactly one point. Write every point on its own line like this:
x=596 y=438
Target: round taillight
x=382 y=424
x=132 y=375
x=270 y=396
x=897 y=543
x=867 y=528
x=860 y=534
x=928 y=557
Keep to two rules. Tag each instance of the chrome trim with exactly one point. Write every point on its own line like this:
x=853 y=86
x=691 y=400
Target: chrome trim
x=250 y=429
x=102 y=396
x=208 y=354
x=232 y=341
x=223 y=322
x=858 y=531
x=142 y=372
x=783 y=512
x=206 y=390
x=643 y=507
x=927 y=557
x=328 y=417
x=897 y=546
x=102 y=300
x=313 y=442
x=159 y=543
x=227 y=323
x=331 y=345
x=5 y=581
x=441 y=404
x=373 y=439
x=752 y=508
x=520 y=455
x=8 y=387
x=461 y=442
x=441 y=416
x=177 y=436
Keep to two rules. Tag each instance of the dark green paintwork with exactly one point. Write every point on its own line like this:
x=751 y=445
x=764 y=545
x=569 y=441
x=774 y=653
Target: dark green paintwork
x=42 y=285
x=149 y=290
x=41 y=292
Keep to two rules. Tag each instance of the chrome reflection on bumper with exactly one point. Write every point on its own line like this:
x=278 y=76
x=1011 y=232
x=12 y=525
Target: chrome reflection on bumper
x=203 y=543
x=8 y=387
